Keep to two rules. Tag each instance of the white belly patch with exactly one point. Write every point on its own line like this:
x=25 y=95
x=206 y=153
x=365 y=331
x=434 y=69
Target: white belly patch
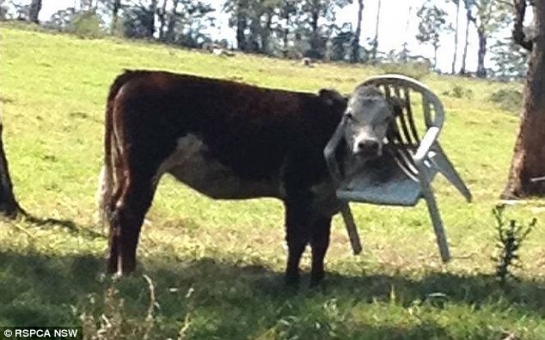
x=191 y=164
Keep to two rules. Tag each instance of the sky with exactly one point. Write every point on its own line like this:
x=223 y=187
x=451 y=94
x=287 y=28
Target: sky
x=393 y=30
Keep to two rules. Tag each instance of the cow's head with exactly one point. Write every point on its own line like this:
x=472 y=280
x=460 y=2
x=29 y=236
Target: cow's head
x=367 y=118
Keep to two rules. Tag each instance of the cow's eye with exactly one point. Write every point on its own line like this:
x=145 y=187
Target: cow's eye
x=349 y=115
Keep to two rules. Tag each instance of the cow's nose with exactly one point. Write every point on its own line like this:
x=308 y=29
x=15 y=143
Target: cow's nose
x=368 y=146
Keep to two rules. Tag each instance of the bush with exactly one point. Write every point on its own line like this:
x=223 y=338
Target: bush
x=459 y=91
x=507 y=99
x=511 y=235
x=86 y=25
x=414 y=69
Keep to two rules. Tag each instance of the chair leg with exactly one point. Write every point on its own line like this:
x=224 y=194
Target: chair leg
x=437 y=221
x=351 y=228
x=445 y=166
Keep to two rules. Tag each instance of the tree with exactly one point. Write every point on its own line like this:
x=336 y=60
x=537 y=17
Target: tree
x=187 y=22
x=341 y=43
x=510 y=60
x=9 y=207
x=3 y=11
x=239 y=10
x=355 y=48
x=527 y=173
x=34 y=12
x=61 y=19
x=116 y=6
x=374 y=47
x=469 y=15
x=486 y=16
x=404 y=54
x=456 y=33
x=139 y=19
x=150 y=24
x=432 y=24
x=287 y=10
x=313 y=11
x=136 y=21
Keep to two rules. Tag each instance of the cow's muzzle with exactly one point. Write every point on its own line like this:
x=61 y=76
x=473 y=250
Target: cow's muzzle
x=369 y=148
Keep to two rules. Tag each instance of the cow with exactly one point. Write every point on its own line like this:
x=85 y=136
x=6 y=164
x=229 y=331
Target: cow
x=229 y=140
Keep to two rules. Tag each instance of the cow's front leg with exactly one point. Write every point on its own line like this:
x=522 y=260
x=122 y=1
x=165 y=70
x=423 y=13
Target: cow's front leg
x=297 y=236
x=321 y=229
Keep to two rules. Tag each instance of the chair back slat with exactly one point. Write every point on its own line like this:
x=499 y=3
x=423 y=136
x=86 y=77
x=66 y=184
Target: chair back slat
x=402 y=120
x=408 y=107
x=404 y=160
x=427 y=110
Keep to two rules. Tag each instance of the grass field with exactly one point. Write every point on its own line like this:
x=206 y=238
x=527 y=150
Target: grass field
x=216 y=267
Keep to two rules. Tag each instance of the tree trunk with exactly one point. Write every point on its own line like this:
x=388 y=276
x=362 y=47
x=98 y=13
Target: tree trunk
x=404 y=50
x=481 y=70
x=169 y=36
x=115 y=15
x=163 y=21
x=456 y=33
x=285 y=35
x=377 y=24
x=527 y=173
x=242 y=24
x=266 y=32
x=435 y=49
x=355 y=50
x=315 y=37
x=466 y=42
x=34 y=12
x=151 y=22
x=8 y=204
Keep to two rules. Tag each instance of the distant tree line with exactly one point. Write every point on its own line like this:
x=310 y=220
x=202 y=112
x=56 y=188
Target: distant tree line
x=298 y=28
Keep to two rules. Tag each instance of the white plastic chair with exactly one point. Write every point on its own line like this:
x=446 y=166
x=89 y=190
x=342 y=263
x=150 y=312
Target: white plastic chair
x=412 y=158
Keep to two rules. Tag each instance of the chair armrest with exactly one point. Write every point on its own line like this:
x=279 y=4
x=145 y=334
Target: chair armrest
x=425 y=145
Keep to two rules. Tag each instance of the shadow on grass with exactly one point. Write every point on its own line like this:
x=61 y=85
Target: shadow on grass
x=36 y=289
x=69 y=225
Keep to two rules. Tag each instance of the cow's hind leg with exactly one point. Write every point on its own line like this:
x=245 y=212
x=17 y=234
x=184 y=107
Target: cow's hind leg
x=134 y=200
x=297 y=237
x=321 y=229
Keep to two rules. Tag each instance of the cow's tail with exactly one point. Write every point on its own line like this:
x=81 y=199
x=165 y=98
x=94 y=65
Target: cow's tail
x=107 y=176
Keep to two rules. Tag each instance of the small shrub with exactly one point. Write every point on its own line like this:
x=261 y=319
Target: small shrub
x=460 y=92
x=414 y=69
x=507 y=99
x=510 y=237
x=86 y=25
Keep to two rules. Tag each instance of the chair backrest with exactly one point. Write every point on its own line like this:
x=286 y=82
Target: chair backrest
x=405 y=136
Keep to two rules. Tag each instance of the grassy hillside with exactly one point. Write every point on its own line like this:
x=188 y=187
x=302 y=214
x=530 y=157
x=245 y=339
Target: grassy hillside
x=216 y=267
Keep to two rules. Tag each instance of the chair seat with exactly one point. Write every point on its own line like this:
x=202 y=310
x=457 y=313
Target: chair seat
x=383 y=183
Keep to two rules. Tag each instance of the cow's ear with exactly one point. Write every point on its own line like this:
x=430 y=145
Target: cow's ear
x=397 y=105
x=332 y=97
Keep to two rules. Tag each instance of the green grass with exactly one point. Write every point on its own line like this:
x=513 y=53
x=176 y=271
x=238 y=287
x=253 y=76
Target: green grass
x=216 y=266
